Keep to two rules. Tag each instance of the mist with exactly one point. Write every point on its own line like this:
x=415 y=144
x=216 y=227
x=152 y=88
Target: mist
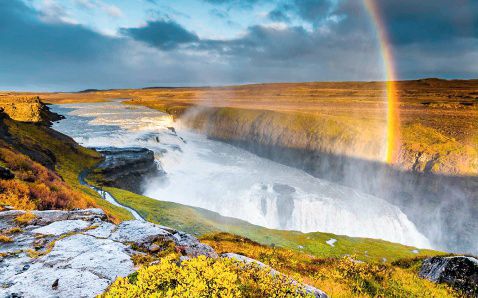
x=235 y=182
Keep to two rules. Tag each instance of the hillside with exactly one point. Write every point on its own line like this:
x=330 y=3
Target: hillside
x=335 y=131
x=45 y=166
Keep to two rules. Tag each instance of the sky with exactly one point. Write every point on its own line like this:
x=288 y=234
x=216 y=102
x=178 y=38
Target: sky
x=70 y=45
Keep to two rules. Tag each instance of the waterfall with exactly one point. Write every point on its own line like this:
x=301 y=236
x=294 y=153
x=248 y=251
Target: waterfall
x=234 y=182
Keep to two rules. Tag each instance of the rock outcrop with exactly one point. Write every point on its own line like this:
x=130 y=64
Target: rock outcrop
x=460 y=272
x=77 y=253
x=126 y=168
x=27 y=109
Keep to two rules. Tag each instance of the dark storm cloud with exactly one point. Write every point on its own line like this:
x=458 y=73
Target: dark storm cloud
x=340 y=44
x=280 y=14
x=163 y=34
x=428 y=38
x=22 y=33
x=410 y=21
x=261 y=42
x=34 y=53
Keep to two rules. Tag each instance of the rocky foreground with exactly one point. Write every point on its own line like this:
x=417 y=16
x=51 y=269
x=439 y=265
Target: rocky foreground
x=79 y=253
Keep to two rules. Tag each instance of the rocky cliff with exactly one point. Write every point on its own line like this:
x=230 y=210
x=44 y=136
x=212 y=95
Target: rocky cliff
x=126 y=168
x=26 y=109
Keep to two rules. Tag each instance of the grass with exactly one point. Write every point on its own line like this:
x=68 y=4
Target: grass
x=338 y=277
x=200 y=222
x=355 y=267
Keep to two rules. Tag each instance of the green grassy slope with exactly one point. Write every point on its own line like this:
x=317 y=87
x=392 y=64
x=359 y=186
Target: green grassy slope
x=199 y=222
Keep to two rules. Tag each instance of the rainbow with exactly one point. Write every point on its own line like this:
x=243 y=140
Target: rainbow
x=393 y=120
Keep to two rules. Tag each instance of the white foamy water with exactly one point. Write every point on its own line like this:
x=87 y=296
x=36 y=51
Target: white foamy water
x=234 y=182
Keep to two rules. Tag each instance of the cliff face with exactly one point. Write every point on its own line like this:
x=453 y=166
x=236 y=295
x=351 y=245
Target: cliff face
x=347 y=154
x=422 y=149
x=26 y=109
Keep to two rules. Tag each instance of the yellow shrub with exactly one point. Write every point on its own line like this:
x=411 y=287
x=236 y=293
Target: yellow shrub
x=35 y=186
x=204 y=277
x=25 y=218
x=13 y=230
x=5 y=239
x=338 y=277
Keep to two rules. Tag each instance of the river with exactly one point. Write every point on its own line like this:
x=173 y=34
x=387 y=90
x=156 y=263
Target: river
x=233 y=182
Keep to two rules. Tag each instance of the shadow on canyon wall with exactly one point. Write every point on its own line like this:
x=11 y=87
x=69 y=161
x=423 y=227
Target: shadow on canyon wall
x=444 y=208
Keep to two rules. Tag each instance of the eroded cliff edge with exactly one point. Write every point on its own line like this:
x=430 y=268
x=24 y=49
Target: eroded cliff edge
x=427 y=186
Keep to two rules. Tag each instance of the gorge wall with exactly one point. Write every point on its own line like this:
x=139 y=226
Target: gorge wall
x=442 y=205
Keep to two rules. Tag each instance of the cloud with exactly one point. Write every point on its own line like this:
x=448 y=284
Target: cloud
x=109 y=9
x=411 y=21
x=42 y=53
x=236 y=4
x=164 y=34
x=279 y=14
x=53 y=12
x=34 y=51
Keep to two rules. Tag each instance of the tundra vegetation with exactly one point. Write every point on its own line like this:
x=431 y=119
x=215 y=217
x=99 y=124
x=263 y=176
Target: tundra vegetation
x=46 y=166
x=330 y=116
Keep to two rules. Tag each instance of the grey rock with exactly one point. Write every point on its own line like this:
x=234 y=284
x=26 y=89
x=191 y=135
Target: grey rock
x=154 y=248
x=7 y=218
x=101 y=230
x=48 y=216
x=127 y=167
x=88 y=254
x=460 y=272
x=62 y=227
x=191 y=246
x=139 y=232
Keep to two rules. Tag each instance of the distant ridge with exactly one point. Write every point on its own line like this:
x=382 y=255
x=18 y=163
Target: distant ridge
x=89 y=90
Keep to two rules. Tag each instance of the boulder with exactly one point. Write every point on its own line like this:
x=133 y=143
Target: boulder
x=191 y=246
x=78 y=253
x=460 y=272
x=127 y=168
x=141 y=233
x=62 y=227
